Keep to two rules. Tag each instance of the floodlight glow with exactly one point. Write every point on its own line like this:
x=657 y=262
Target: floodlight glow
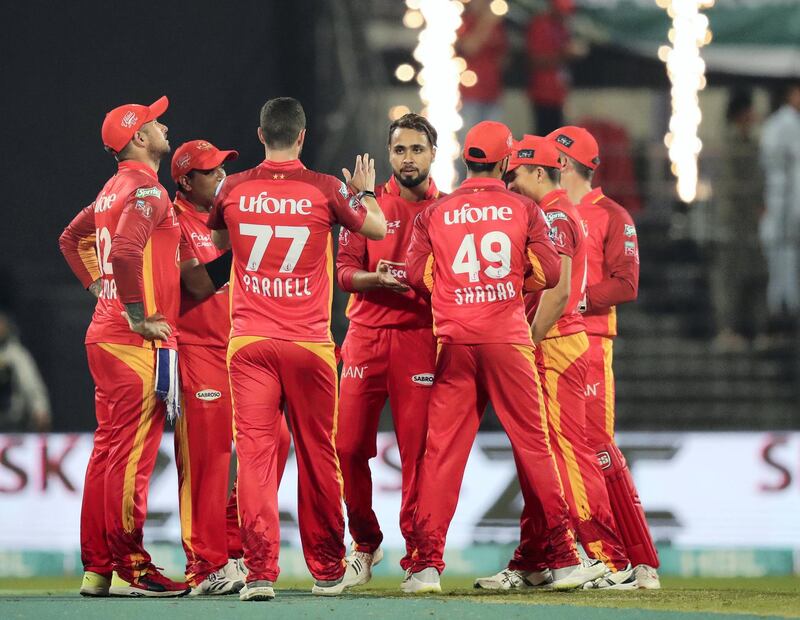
x=686 y=71
x=439 y=80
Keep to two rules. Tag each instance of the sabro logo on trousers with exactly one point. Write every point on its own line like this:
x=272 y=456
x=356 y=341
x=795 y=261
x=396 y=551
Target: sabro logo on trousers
x=469 y=214
x=268 y=204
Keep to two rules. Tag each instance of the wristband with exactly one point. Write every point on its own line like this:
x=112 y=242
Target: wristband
x=365 y=192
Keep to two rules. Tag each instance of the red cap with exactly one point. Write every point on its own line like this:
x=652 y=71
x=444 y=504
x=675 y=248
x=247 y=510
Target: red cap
x=198 y=155
x=488 y=142
x=121 y=123
x=534 y=151
x=578 y=144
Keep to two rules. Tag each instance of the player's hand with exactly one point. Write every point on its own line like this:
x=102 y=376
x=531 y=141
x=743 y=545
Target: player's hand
x=363 y=176
x=387 y=280
x=154 y=327
x=96 y=287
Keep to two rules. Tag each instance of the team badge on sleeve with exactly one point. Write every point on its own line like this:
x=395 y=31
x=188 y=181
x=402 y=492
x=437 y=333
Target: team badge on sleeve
x=343 y=190
x=630 y=230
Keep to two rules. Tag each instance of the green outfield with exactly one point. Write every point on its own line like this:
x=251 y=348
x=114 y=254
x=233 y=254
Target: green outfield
x=687 y=598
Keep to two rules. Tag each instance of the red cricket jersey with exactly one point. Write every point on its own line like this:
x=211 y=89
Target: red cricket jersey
x=476 y=251
x=206 y=322
x=279 y=215
x=487 y=62
x=548 y=35
x=137 y=237
x=380 y=307
x=613 y=261
x=568 y=235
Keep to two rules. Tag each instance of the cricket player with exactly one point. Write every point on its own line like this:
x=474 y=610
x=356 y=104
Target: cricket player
x=131 y=347
x=476 y=251
x=203 y=435
x=613 y=278
x=559 y=334
x=277 y=218
x=390 y=350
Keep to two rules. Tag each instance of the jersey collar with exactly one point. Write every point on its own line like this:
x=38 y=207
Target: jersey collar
x=132 y=165
x=593 y=196
x=183 y=206
x=550 y=198
x=292 y=164
x=392 y=188
x=482 y=183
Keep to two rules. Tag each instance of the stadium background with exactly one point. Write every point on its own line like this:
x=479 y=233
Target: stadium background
x=720 y=504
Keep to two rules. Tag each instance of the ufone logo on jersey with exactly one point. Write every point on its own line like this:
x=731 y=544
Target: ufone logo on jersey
x=470 y=215
x=103 y=203
x=264 y=203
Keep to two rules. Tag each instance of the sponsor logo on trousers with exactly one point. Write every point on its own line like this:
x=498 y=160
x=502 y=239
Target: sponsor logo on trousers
x=208 y=395
x=423 y=378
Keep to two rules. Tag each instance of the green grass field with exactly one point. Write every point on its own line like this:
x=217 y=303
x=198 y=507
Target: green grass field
x=686 y=598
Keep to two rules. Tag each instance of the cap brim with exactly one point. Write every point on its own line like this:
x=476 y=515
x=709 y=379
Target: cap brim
x=513 y=166
x=157 y=108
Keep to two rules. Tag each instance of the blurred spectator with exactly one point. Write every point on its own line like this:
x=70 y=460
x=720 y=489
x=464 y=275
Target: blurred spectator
x=482 y=42
x=550 y=50
x=24 y=404
x=738 y=272
x=780 y=225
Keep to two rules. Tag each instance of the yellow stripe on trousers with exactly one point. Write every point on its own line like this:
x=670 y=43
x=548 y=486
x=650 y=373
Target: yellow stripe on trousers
x=326 y=352
x=185 y=490
x=142 y=362
x=608 y=375
x=559 y=354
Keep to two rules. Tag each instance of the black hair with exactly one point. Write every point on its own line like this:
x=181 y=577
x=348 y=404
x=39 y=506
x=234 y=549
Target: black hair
x=417 y=123
x=553 y=174
x=282 y=119
x=480 y=166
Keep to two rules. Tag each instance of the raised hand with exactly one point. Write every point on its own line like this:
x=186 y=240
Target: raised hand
x=363 y=176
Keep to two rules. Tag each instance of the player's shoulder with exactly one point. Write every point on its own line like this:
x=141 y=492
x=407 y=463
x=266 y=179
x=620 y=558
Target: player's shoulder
x=614 y=209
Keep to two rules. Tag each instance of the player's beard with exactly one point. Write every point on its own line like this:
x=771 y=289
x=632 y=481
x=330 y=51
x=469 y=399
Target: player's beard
x=411 y=182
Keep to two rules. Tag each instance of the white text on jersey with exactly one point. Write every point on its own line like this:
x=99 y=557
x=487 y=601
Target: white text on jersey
x=267 y=204
x=468 y=214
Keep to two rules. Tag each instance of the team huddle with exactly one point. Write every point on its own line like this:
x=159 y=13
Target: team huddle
x=214 y=309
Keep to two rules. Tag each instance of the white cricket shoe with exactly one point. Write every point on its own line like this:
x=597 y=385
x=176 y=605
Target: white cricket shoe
x=239 y=566
x=509 y=579
x=260 y=590
x=226 y=580
x=363 y=562
x=647 y=577
x=571 y=577
x=353 y=576
x=624 y=579
x=425 y=581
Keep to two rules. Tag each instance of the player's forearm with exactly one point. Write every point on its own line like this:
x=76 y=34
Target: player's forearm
x=374 y=226
x=610 y=292
x=82 y=263
x=196 y=281
x=135 y=312
x=551 y=307
x=221 y=239
x=127 y=265
x=355 y=280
